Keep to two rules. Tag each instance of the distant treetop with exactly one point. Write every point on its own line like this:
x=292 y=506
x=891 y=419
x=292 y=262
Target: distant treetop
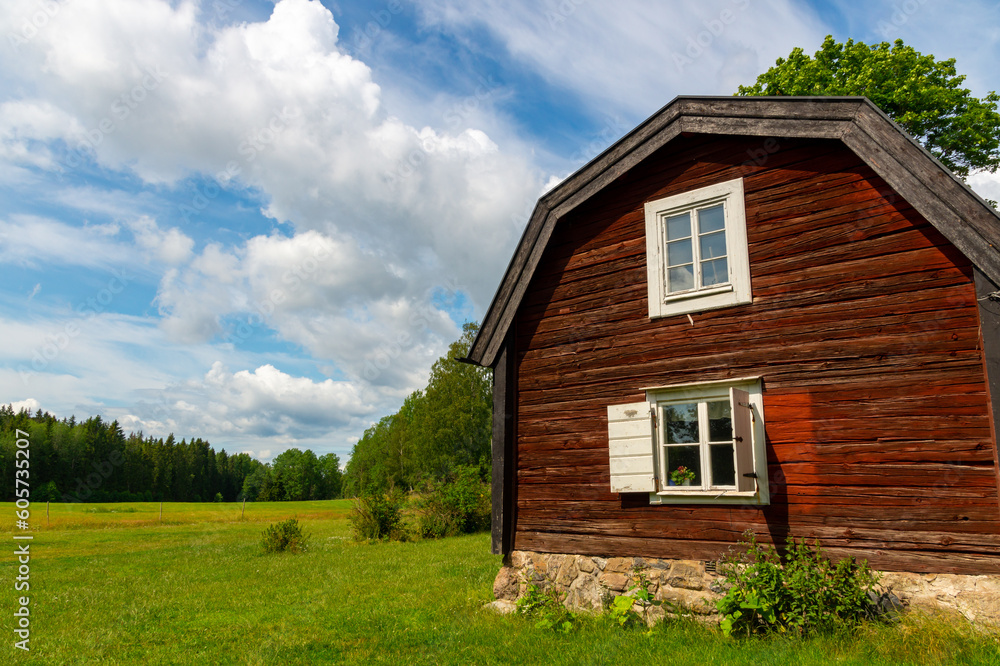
x=923 y=95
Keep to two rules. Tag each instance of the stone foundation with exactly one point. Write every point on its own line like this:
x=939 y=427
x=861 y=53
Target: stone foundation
x=586 y=583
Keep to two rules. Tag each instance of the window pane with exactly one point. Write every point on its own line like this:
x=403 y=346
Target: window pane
x=680 y=423
x=679 y=252
x=713 y=246
x=720 y=421
x=680 y=278
x=678 y=226
x=688 y=457
x=714 y=272
x=711 y=219
x=723 y=465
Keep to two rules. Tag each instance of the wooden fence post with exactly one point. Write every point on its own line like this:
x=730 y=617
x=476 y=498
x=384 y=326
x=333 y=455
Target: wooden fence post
x=244 y=508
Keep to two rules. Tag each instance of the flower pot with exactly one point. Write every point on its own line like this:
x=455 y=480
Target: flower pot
x=686 y=482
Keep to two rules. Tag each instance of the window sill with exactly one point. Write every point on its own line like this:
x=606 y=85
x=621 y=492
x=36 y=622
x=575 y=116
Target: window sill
x=699 y=301
x=700 y=293
x=707 y=497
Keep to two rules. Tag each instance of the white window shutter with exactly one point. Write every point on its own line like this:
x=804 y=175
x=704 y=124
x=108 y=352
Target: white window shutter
x=630 y=445
x=743 y=439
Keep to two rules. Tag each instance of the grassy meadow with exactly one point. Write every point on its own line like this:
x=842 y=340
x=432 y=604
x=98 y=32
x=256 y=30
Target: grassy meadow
x=112 y=584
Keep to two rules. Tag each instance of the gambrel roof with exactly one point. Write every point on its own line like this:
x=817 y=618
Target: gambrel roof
x=967 y=221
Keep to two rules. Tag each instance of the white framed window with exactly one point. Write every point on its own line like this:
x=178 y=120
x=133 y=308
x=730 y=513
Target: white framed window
x=696 y=250
x=692 y=444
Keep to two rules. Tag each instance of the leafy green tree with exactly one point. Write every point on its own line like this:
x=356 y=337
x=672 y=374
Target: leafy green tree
x=299 y=474
x=329 y=470
x=923 y=95
x=371 y=468
x=453 y=424
x=255 y=483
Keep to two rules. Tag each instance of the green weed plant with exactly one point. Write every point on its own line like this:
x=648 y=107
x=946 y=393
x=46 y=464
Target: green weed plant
x=802 y=594
x=547 y=609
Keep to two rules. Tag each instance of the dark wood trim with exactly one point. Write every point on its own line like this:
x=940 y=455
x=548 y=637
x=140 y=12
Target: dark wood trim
x=487 y=343
x=957 y=212
x=504 y=463
x=989 y=332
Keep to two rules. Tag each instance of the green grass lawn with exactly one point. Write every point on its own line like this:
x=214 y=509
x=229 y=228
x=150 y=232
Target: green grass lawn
x=111 y=584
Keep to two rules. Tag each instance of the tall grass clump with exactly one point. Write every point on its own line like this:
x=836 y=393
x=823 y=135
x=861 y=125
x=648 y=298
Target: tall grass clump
x=459 y=504
x=378 y=516
x=802 y=594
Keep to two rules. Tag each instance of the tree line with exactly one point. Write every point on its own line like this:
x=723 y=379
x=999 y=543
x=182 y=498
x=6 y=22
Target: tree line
x=94 y=461
x=438 y=430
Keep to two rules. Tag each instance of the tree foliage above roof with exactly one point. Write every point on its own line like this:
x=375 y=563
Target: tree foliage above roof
x=923 y=95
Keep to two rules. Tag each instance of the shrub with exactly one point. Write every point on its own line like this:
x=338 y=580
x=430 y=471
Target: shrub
x=285 y=536
x=803 y=594
x=378 y=516
x=458 y=505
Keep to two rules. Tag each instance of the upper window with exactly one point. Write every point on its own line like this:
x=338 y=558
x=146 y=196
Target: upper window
x=691 y=443
x=696 y=250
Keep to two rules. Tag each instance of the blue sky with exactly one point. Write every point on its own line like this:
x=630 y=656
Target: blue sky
x=260 y=223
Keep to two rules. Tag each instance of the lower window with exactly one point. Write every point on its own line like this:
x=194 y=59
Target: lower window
x=691 y=443
x=696 y=448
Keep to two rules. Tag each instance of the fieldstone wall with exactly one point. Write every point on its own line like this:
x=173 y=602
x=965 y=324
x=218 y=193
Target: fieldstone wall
x=588 y=583
x=977 y=598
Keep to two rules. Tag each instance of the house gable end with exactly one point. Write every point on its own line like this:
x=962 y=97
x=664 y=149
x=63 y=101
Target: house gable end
x=958 y=213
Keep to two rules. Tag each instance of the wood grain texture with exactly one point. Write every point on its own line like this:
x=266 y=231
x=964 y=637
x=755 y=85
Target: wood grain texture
x=865 y=328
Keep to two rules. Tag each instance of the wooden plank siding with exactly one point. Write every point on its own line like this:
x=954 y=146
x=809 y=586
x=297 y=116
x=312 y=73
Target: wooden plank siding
x=863 y=326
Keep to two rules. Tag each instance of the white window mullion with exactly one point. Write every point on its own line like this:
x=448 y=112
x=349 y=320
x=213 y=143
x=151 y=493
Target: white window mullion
x=696 y=249
x=703 y=449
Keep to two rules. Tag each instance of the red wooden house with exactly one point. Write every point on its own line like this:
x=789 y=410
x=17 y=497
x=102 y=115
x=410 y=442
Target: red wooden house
x=764 y=313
